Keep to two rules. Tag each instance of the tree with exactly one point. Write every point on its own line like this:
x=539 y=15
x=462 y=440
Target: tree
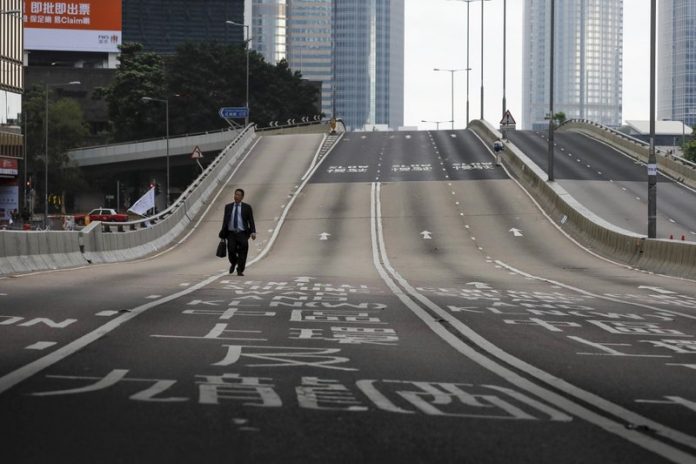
x=206 y=76
x=559 y=117
x=140 y=74
x=66 y=129
x=689 y=148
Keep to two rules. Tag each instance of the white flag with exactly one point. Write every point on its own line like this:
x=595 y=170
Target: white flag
x=144 y=204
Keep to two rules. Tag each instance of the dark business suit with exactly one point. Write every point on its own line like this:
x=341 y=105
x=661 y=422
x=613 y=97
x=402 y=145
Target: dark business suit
x=237 y=241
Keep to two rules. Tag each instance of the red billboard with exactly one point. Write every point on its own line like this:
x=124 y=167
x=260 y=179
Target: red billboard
x=82 y=25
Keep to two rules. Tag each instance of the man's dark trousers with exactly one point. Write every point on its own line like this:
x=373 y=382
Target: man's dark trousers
x=237 y=249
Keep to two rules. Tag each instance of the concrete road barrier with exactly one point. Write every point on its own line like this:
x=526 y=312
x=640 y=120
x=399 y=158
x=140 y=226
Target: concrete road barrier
x=22 y=252
x=656 y=255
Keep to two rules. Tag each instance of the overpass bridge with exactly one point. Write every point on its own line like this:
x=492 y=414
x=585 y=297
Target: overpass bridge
x=597 y=196
x=406 y=300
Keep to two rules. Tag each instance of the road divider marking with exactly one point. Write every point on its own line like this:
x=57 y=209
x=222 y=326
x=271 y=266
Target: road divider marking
x=41 y=345
x=416 y=302
x=106 y=313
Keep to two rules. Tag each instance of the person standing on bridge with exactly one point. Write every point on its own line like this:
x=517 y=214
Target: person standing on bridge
x=237 y=227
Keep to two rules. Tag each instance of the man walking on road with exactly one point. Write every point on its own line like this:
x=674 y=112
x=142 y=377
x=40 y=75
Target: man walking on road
x=237 y=227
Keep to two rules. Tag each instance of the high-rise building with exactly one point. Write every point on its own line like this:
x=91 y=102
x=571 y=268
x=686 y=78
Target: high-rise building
x=588 y=71
x=370 y=62
x=361 y=41
x=268 y=29
x=309 y=44
x=11 y=88
x=677 y=61
x=162 y=25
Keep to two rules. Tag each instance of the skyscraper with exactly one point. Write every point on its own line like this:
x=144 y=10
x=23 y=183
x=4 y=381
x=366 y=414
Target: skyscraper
x=162 y=25
x=268 y=29
x=366 y=39
x=588 y=81
x=677 y=61
x=370 y=62
x=309 y=44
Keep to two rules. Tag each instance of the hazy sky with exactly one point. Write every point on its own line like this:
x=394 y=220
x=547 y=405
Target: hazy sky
x=436 y=38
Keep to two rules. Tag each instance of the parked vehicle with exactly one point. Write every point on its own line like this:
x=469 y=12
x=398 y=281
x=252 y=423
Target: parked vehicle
x=101 y=214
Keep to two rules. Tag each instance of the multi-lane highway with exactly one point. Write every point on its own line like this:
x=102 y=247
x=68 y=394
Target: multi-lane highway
x=406 y=302
x=611 y=184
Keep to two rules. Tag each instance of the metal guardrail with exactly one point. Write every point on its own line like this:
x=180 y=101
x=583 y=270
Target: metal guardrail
x=630 y=138
x=152 y=220
x=155 y=139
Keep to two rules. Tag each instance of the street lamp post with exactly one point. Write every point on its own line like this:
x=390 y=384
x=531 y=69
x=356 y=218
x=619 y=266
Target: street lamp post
x=246 y=47
x=551 y=77
x=452 y=71
x=46 y=87
x=504 y=53
x=468 y=68
x=437 y=123
x=482 y=3
x=166 y=109
x=652 y=161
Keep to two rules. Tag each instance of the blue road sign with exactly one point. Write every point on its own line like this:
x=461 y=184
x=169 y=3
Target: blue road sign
x=232 y=112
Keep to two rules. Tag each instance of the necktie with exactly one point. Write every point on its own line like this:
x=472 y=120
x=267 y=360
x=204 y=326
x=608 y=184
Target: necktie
x=235 y=223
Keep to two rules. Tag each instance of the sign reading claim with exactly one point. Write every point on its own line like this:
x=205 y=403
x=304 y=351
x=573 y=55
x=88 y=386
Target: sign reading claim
x=80 y=25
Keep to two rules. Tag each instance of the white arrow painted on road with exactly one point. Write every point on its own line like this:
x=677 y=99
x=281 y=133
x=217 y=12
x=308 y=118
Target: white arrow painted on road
x=516 y=232
x=324 y=236
x=426 y=235
x=305 y=280
x=480 y=285
x=658 y=290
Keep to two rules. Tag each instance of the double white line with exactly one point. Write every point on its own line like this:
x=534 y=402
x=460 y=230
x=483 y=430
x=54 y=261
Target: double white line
x=417 y=303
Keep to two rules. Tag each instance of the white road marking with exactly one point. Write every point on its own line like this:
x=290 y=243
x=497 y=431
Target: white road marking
x=3 y=294
x=657 y=290
x=516 y=232
x=41 y=345
x=324 y=236
x=426 y=235
x=152 y=297
x=184 y=284
x=106 y=313
x=409 y=296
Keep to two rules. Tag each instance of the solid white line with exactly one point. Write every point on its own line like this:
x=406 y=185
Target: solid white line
x=560 y=229
x=316 y=155
x=611 y=426
x=13 y=378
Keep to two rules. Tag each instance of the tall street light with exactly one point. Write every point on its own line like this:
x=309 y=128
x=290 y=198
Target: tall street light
x=551 y=77
x=46 y=87
x=652 y=161
x=246 y=47
x=166 y=109
x=437 y=123
x=504 y=53
x=482 y=3
x=468 y=68
x=452 y=71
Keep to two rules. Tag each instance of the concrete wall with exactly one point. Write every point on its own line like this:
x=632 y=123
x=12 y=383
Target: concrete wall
x=660 y=256
x=679 y=169
x=152 y=149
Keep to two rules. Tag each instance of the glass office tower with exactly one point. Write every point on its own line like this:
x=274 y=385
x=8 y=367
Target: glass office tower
x=11 y=88
x=309 y=45
x=366 y=38
x=162 y=25
x=370 y=62
x=268 y=29
x=588 y=79
x=677 y=61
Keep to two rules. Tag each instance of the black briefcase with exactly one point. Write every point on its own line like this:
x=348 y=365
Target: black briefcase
x=221 y=249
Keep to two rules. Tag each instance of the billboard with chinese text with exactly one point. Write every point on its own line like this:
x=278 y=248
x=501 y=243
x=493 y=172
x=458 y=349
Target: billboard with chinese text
x=79 y=25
